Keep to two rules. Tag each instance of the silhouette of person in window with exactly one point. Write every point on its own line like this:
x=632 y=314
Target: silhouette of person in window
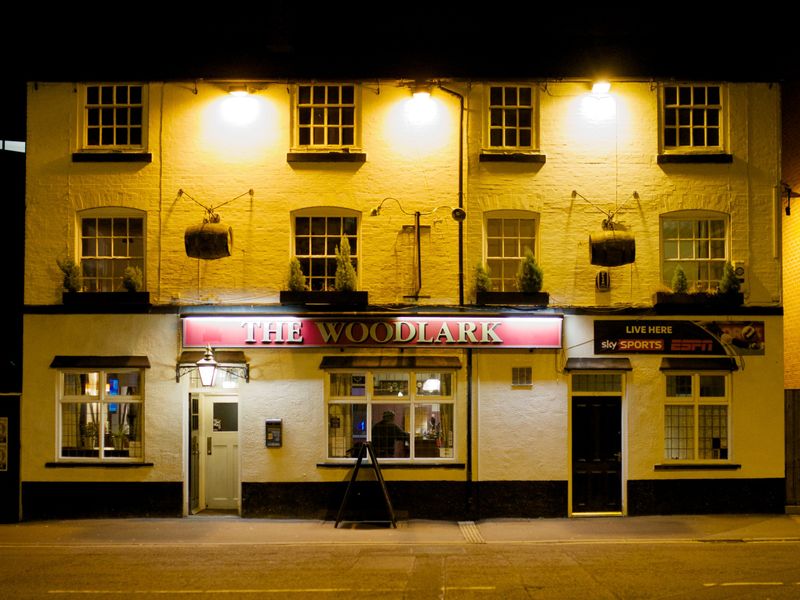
x=384 y=435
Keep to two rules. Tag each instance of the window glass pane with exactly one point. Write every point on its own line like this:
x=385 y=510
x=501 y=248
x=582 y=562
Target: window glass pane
x=433 y=430
x=713 y=432
x=679 y=386
x=390 y=383
x=525 y=97
x=347 y=384
x=433 y=384
x=495 y=95
x=712 y=386
x=347 y=427
x=597 y=382
x=679 y=432
x=80 y=429
x=348 y=94
x=389 y=430
x=122 y=427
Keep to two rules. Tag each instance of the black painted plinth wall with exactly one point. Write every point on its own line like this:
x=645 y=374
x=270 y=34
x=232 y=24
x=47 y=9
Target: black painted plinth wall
x=62 y=500
x=449 y=500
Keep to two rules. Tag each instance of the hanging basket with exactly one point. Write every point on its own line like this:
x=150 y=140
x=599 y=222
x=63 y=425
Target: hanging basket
x=208 y=241
x=612 y=248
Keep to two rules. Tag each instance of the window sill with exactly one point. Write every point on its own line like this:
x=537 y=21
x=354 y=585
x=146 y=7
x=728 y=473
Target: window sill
x=326 y=157
x=513 y=157
x=393 y=465
x=723 y=466
x=684 y=159
x=95 y=464
x=112 y=157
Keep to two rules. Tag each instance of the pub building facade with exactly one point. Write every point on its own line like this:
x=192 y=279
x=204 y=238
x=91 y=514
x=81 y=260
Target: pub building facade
x=606 y=392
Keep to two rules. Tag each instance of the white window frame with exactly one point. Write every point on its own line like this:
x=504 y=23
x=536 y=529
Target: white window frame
x=488 y=127
x=331 y=241
x=111 y=213
x=321 y=114
x=506 y=282
x=722 y=125
x=709 y=283
x=85 y=122
x=412 y=399
x=695 y=401
x=105 y=453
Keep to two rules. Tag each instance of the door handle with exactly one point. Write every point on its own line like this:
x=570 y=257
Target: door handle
x=208 y=445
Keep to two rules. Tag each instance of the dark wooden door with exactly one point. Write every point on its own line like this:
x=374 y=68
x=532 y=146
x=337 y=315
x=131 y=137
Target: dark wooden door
x=596 y=454
x=792 y=447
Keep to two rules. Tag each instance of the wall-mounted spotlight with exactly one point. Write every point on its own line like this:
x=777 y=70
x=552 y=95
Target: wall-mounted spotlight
x=238 y=90
x=601 y=88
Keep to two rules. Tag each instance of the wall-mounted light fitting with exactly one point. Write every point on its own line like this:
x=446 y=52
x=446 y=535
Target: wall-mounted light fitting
x=207 y=366
x=421 y=89
x=601 y=88
x=238 y=90
x=457 y=213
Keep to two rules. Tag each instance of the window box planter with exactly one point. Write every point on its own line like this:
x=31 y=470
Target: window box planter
x=337 y=299
x=697 y=301
x=512 y=298
x=106 y=299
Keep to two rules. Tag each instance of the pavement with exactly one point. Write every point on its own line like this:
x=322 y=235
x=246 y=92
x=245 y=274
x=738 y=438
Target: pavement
x=231 y=530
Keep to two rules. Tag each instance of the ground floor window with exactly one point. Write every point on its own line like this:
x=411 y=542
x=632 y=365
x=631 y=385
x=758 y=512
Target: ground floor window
x=696 y=417
x=405 y=414
x=100 y=414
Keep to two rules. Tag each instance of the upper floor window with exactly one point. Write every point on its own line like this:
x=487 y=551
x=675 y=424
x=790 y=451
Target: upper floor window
x=509 y=234
x=692 y=117
x=699 y=245
x=111 y=241
x=100 y=414
x=114 y=116
x=316 y=237
x=696 y=417
x=511 y=118
x=326 y=115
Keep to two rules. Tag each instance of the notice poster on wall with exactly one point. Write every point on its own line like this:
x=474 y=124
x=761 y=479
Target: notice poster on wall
x=3 y=443
x=704 y=338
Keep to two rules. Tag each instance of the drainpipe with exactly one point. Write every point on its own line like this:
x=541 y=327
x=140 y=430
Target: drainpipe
x=460 y=190
x=470 y=500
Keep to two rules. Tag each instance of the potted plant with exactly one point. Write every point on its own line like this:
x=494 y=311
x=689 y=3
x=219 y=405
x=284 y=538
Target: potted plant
x=682 y=300
x=297 y=280
x=72 y=275
x=529 y=286
x=483 y=280
x=132 y=279
x=344 y=293
x=345 y=280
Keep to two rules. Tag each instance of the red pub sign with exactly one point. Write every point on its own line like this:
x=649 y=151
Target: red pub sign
x=462 y=332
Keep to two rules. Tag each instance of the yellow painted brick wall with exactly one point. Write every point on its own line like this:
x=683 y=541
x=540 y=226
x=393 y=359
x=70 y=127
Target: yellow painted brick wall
x=791 y=237
x=605 y=161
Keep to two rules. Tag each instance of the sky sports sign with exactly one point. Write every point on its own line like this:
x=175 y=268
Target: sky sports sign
x=426 y=332
x=714 y=338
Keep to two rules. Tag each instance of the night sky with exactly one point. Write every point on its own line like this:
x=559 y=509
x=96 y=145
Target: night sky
x=411 y=40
